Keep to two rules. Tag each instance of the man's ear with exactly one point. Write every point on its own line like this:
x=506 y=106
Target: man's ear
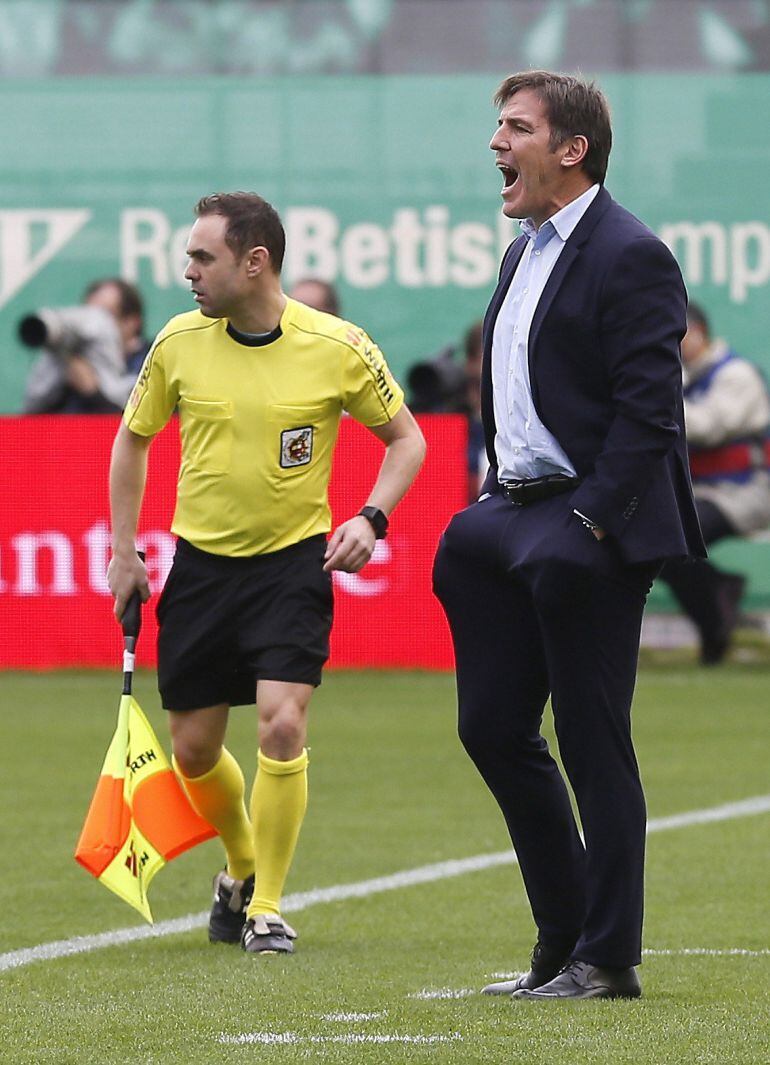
x=257 y=260
x=575 y=150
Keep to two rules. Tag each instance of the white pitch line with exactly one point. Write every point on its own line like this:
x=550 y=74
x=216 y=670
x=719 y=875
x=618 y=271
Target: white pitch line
x=301 y=900
x=347 y=1018
x=428 y=994
x=351 y=1038
x=706 y=952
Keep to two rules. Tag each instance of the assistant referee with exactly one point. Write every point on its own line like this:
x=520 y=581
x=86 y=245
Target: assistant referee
x=260 y=382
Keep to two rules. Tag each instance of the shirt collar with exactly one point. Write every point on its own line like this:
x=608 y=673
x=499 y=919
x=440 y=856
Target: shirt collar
x=564 y=221
x=258 y=340
x=254 y=340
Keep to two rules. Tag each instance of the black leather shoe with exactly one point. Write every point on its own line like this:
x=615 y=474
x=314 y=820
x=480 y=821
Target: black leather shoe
x=547 y=962
x=581 y=980
x=228 y=914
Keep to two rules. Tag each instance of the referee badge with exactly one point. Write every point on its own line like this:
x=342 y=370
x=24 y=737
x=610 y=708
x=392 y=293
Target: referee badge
x=296 y=446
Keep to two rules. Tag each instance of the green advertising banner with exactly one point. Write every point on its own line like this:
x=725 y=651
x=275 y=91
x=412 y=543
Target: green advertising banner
x=386 y=187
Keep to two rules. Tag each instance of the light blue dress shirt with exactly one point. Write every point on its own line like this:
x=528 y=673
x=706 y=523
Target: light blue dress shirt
x=523 y=446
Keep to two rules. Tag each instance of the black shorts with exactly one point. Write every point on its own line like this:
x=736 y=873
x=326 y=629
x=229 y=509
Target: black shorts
x=225 y=623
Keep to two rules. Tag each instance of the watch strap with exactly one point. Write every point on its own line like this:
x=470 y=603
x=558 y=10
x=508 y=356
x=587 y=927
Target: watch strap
x=377 y=519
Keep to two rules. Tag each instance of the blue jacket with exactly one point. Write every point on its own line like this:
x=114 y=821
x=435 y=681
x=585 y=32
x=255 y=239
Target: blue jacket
x=606 y=377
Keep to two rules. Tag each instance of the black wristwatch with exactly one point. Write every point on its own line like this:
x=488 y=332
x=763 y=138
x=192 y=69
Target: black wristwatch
x=377 y=520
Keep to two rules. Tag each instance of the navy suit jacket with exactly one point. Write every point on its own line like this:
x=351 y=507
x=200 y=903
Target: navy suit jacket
x=606 y=377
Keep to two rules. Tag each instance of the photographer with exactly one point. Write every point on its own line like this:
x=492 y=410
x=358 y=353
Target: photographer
x=92 y=354
x=450 y=383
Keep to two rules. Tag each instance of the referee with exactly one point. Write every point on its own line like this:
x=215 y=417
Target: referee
x=260 y=382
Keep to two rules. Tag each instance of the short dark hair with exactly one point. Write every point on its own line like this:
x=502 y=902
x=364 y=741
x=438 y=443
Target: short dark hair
x=251 y=222
x=131 y=302
x=472 y=341
x=697 y=316
x=574 y=107
x=329 y=295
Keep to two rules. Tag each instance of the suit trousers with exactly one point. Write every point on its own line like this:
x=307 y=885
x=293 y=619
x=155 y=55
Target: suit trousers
x=538 y=606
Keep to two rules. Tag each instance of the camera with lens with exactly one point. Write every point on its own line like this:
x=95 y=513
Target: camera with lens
x=65 y=332
x=438 y=385
x=87 y=331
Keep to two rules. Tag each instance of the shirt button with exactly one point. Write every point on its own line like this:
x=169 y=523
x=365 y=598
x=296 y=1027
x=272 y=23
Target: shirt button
x=537 y=253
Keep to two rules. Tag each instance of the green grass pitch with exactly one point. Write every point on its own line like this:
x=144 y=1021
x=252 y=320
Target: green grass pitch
x=391 y=976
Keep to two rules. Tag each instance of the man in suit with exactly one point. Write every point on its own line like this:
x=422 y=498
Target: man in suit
x=544 y=579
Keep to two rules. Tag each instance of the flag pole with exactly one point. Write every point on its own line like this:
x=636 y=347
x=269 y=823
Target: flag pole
x=131 y=623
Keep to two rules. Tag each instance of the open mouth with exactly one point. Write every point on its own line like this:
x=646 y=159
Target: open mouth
x=509 y=175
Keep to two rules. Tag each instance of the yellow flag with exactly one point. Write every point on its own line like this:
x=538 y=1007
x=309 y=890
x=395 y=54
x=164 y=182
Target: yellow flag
x=139 y=817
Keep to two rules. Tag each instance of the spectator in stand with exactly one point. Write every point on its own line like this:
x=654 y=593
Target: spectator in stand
x=69 y=384
x=727 y=418
x=320 y=295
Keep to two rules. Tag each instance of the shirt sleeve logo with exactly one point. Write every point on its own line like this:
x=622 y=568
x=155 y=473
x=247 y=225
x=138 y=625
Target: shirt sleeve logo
x=382 y=378
x=296 y=447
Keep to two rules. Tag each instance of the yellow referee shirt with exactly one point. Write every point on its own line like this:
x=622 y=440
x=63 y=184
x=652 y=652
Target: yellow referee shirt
x=258 y=421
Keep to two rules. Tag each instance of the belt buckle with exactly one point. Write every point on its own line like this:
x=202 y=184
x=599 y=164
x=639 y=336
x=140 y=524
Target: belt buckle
x=512 y=487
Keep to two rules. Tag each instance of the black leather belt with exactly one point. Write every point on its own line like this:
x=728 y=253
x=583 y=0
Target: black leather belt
x=522 y=492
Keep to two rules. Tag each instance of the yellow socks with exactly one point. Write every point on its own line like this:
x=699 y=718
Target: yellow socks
x=278 y=803
x=219 y=797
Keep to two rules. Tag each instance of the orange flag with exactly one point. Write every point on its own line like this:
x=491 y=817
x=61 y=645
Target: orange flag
x=140 y=817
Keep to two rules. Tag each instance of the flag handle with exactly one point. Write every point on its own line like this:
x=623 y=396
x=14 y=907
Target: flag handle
x=131 y=623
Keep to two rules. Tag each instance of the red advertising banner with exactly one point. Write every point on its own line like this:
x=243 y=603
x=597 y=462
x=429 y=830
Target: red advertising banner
x=55 y=607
